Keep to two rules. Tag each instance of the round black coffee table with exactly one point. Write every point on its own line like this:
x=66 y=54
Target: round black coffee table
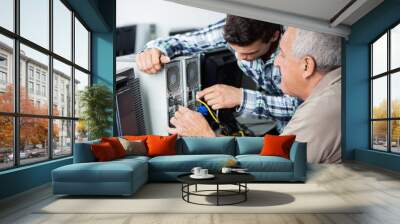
x=238 y=179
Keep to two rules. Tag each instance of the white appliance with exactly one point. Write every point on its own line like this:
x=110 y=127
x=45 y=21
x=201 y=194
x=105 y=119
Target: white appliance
x=125 y=62
x=162 y=93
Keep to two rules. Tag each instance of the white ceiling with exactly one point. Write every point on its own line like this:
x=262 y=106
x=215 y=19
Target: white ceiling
x=319 y=9
x=317 y=15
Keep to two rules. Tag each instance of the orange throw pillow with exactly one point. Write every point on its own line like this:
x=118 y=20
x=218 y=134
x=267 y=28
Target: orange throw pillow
x=277 y=145
x=135 y=138
x=161 y=145
x=103 y=152
x=116 y=145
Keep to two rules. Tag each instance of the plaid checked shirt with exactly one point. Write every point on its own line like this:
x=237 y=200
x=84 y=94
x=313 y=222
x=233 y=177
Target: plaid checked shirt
x=269 y=102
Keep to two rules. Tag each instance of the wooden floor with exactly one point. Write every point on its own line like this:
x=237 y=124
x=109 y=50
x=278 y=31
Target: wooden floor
x=377 y=188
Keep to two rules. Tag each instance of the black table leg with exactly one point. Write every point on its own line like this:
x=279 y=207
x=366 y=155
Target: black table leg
x=182 y=190
x=196 y=188
x=245 y=193
x=217 y=194
x=188 y=190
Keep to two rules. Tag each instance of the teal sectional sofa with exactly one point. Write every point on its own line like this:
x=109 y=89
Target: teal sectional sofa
x=125 y=176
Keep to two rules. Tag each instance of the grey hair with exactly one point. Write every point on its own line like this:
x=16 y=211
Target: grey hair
x=324 y=48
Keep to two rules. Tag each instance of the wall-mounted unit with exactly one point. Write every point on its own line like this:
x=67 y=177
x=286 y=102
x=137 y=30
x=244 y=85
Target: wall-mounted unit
x=162 y=93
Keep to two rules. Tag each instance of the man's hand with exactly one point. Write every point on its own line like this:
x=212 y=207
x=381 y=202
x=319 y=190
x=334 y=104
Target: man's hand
x=190 y=123
x=221 y=96
x=151 y=60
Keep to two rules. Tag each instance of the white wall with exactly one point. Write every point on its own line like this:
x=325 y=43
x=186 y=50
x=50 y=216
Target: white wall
x=166 y=15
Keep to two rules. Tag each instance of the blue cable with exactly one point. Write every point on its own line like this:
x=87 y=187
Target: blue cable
x=203 y=110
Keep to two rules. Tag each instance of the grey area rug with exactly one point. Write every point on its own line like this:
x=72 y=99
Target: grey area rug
x=166 y=198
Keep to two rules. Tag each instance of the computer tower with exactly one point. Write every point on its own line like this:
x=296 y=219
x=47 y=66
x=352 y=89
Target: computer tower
x=219 y=66
x=129 y=110
x=191 y=77
x=162 y=93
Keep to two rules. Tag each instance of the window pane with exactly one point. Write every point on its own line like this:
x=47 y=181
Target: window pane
x=81 y=81
x=395 y=94
x=6 y=142
x=395 y=136
x=62 y=138
x=379 y=135
x=7 y=14
x=62 y=89
x=6 y=74
x=379 y=97
x=34 y=82
x=81 y=131
x=35 y=21
x=62 y=29
x=395 y=47
x=33 y=139
x=81 y=45
x=379 y=56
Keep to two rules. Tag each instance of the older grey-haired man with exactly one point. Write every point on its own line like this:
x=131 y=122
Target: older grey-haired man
x=310 y=67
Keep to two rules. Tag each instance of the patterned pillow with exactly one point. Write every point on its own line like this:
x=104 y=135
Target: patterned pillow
x=133 y=147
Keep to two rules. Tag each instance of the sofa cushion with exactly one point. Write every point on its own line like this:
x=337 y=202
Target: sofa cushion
x=257 y=163
x=132 y=158
x=202 y=145
x=134 y=147
x=116 y=145
x=112 y=171
x=185 y=163
x=103 y=152
x=249 y=145
x=277 y=145
x=161 y=145
x=136 y=137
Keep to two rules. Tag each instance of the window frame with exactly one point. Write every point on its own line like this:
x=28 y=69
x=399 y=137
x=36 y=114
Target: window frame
x=3 y=74
x=31 y=88
x=388 y=74
x=3 y=71
x=16 y=114
x=5 y=58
